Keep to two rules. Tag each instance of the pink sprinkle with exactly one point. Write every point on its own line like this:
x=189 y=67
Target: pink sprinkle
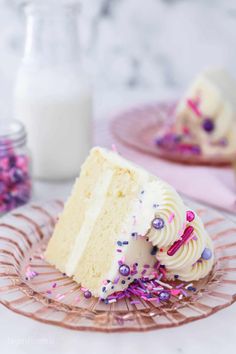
x=175 y=292
x=120 y=262
x=54 y=285
x=171 y=218
x=144 y=271
x=192 y=237
x=154 y=274
x=163 y=271
x=118 y=250
x=185 y=130
x=60 y=297
x=83 y=289
x=193 y=105
x=177 y=244
x=182 y=230
x=104 y=282
x=190 y=216
x=48 y=292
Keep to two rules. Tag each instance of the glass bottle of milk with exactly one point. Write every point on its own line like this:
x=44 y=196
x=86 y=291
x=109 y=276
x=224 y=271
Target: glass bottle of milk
x=52 y=96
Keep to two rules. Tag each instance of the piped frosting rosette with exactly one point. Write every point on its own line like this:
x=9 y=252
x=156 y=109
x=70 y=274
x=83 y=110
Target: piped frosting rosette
x=202 y=267
x=189 y=252
x=169 y=218
x=190 y=257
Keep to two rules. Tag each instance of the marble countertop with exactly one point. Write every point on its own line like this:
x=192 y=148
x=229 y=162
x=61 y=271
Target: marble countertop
x=212 y=335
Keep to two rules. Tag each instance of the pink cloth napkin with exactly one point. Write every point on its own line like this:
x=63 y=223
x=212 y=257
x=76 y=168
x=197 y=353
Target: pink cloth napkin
x=211 y=185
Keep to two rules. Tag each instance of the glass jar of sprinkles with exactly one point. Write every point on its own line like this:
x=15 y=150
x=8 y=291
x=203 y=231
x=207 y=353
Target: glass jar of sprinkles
x=15 y=176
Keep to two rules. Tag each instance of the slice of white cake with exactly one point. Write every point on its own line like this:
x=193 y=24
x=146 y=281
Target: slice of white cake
x=114 y=224
x=206 y=115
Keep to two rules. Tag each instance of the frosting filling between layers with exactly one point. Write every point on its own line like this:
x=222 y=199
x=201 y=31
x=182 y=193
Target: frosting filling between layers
x=98 y=195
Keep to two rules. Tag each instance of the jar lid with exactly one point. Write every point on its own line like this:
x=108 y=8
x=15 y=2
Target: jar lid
x=12 y=134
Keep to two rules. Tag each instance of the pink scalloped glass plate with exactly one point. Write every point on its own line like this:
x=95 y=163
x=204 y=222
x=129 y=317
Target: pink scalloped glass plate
x=138 y=128
x=24 y=234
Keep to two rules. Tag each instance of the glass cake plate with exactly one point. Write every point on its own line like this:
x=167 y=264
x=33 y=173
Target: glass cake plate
x=51 y=297
x=138 y=128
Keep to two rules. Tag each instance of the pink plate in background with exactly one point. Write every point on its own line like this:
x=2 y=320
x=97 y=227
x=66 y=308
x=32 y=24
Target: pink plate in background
x=24 y=234
x=138 y=128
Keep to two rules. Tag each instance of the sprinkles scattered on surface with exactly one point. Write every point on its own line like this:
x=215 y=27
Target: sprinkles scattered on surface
x=151 y=291
x=30 y=273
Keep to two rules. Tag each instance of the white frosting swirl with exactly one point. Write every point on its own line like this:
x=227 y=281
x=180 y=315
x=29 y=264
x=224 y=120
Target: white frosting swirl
x=172 y=210
x=189 y=252
x=200 y=269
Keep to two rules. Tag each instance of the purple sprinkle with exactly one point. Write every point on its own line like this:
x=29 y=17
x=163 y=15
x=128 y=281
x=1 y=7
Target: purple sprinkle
x=154 y=250
x=135 y=302
x=191 y=288
x=180 y=286
x=124 y=270
x=125 y=242
x=158 y=223
x=87 y=294
x=116 y=280
x=206 y=254
x=184 y=292
x=164 y=296
x=208 y=125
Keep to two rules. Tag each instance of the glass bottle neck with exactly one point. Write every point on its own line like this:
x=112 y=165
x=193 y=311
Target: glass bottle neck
x=51 y=34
